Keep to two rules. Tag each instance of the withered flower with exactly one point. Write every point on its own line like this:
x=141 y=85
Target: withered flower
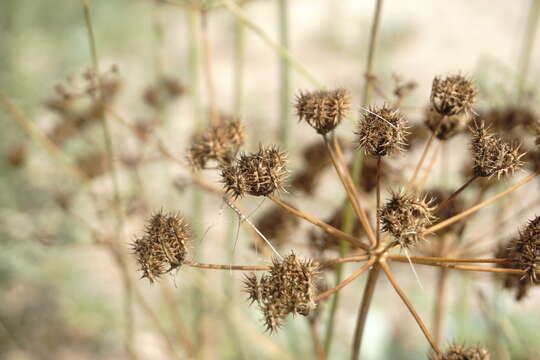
x=492 y=155
x=162 y=247
x=288 y=288
x=452 y=95
x=257 y=174
x=323 y=109
x=446 y=126
x=406 y=216
x=219 y=144
x=460 y=352
x=511 y=281
x=527 y=250
x=382 y=131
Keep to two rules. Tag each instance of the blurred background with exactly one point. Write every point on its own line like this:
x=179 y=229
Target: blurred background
x=69 y=287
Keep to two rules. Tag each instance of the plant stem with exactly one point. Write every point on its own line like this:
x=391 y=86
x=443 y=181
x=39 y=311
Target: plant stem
x=445 y=203
x=484 y=203
x=440 y=302
x=364 y=309
x=368 y=86
x=421 y=160
x=378 y=181
x=528 y=42
x=466 y=267
x=420 y=185
x=410 y=306
x=284 y=75
x=347 y=281
x=425 y=259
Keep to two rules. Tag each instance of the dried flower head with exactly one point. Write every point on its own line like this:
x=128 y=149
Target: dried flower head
x=382 y=131
x=460 y=352
x=323 y=109
x=162 y=248
x=452 y=95
x=492 y=155
x=288 y=288
x=219 y=144
x=406 y=216
x=511 y=281
x=446 y=126
x=258 y=174
x=527 y=250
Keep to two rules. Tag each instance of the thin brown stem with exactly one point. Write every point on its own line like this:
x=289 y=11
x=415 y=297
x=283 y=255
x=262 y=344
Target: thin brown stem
x=347 y=281
x=420 y=185
x=484 y=203
x=410 y=306
x=369 y=289
x=351 y=184
x=448 y=260
x=326 y=227
x=455 y=194
x=421 y=160
x=317 y=344
x=466 y=267
x=440 y=304
x=379 y=159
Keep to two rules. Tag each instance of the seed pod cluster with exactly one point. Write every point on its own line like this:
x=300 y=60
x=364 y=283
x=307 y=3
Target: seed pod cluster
x=257 y=174
x=162 y=248
x=452 y=95
x=406 y=216
x=460 y=352
x=492 y=155
x=323 y=109
x=527 y=250
x=219 y=144
x=382 y=131
x=288 y=288
x=511 y=281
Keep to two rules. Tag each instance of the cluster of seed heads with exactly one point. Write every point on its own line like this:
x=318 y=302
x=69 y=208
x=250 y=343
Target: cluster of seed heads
x=219 y=144
x=162 y=248
x=452 y=95
x=460 y=352
x=258 y=174
x=492 y=155
x=406 y=216
x=288 y=288
x=382 y=131
x=323 y=109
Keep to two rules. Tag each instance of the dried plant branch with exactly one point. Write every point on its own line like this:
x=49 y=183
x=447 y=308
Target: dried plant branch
x=410 y=306
x=420 y=185
x=445 y=203
x=429 y=143
x=440 y=302
x=378 y=206
x=426 y=259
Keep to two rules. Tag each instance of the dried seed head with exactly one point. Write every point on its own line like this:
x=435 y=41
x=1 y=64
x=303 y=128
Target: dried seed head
x=492 y=155
x=527 y=250
x=219 y=144
x=382 y=131
x=288 y=288
x=460 y=352
x=258 y=174
x=323 y=109
x=452 y=95
x=511 y=281
x=406 y=217
x=446 y=126
x=162 y=248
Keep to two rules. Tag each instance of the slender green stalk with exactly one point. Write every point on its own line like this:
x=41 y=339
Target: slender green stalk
x=284 y=75
x=528 y=42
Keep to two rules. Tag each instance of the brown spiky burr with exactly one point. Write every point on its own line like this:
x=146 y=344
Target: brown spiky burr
x=219 y=144
x=382 y=131
x=527 y=250
x=492 y=155
x=406 y=216
x=288 y=288
x=162 y=247
x=323 y=109
x=258 y=174
x=518 y=283
x=452 y=95
x=460 y=352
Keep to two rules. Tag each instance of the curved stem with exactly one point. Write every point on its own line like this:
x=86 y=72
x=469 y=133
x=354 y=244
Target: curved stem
x=445 y=203
x=347 y=281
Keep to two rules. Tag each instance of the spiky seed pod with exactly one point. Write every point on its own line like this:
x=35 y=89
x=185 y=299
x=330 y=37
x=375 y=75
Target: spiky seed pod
x=511 y=281
x=257 y=174
x=162 y=248
x=446 y=126
x=219 y=144
x=492 y=155
x=288 y=288
x=452 y=95
x=527 y=249
x=460 y=352
x=323 y=109
x=406 y=216
x=382 y=131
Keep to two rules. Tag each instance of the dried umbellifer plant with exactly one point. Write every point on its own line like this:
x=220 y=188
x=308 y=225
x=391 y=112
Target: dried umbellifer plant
x=407 y=218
